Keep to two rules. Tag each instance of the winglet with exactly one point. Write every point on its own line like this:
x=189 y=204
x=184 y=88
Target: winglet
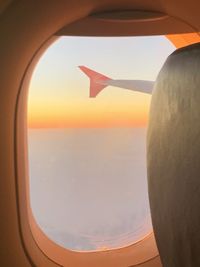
x=97 y=80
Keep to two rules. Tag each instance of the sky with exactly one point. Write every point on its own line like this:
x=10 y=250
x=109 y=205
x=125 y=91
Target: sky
x=59 y=91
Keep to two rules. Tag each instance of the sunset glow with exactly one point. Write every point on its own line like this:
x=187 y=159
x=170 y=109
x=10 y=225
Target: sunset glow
x=59 y=92
x=87 y=155
x=125 y=110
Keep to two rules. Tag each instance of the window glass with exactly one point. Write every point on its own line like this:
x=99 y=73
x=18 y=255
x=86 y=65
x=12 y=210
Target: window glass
x=87 y=116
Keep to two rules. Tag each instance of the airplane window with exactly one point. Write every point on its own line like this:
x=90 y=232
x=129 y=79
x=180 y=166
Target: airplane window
x=87 y=116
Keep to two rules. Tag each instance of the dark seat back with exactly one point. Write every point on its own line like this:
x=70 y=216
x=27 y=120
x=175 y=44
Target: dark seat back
x=173 y=148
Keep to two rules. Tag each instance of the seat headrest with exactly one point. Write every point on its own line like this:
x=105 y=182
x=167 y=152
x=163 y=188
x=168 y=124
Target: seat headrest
x=173 y=158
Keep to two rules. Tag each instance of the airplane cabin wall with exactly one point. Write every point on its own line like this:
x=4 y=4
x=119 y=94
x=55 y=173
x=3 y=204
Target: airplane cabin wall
x=25 y=26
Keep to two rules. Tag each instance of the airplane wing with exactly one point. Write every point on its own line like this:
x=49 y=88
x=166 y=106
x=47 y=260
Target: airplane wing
x=134 y=85
x=99 y=81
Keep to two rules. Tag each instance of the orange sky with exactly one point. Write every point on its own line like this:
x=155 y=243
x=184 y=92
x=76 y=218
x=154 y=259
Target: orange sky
x=59 y=91
x=127 y=109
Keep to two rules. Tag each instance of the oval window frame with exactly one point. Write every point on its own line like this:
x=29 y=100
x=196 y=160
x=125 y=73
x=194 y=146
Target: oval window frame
x=137 y=254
